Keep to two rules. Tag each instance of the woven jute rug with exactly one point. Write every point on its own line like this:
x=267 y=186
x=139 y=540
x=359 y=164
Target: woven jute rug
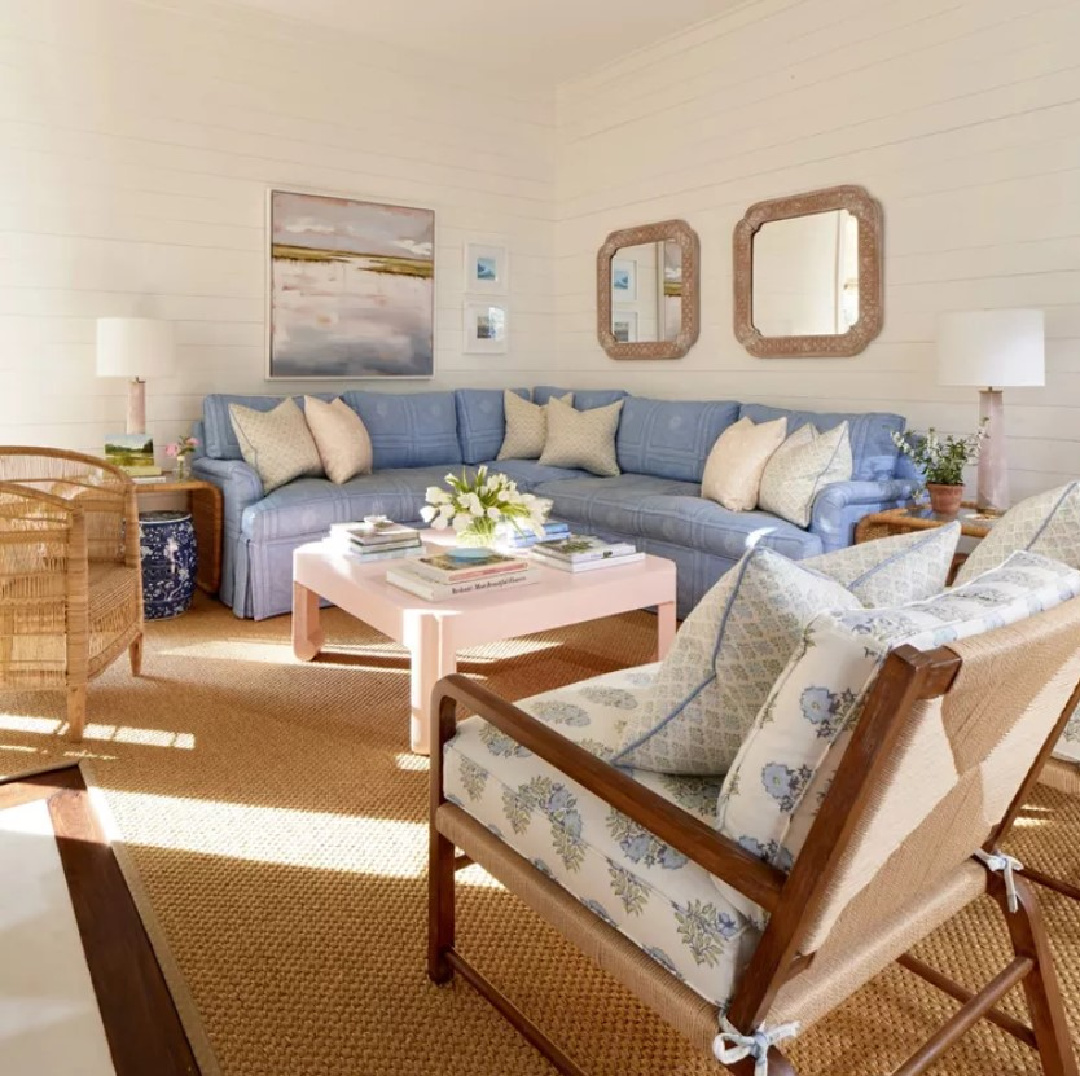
x=275 y=820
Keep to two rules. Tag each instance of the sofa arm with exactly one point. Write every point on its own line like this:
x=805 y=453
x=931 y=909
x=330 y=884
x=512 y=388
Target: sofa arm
x=239 y=483
x=838 y=507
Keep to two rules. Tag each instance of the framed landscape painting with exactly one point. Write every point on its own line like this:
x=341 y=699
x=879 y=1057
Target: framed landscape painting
x=351 y=289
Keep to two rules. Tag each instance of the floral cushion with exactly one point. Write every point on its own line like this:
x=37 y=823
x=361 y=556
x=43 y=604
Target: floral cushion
x=725 y=658
x=773 y=791
x=893 y=571
x=666 y=905
x=1048 y=523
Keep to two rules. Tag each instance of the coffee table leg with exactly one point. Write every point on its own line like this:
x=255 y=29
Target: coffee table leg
x=307 y=636
x=433 y=658
x=665 y=629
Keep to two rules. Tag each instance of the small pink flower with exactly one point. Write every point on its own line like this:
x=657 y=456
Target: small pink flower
x=172 y=450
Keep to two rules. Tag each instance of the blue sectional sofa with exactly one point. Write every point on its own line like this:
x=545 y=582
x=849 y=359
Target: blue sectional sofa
x=661 y=444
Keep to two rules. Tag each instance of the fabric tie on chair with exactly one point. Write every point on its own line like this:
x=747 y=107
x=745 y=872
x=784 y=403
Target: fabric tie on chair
x=756 y=1045
x=1000 y=863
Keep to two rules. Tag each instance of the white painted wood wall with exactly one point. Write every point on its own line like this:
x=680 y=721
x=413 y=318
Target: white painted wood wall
x=137 y=138
x=137 y=141
x=963 y=118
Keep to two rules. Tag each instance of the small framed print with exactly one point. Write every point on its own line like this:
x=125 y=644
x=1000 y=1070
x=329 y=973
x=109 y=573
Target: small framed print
x=624 y=326
x=624 y=280
x=487 y=327
x=487 y=269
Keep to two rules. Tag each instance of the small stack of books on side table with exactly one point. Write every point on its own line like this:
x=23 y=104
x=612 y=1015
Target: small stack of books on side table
x=376 y=540
x=439 y=576
x=584 y=553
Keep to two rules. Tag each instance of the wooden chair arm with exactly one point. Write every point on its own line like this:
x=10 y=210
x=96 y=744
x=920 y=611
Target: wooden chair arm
x=719 y=855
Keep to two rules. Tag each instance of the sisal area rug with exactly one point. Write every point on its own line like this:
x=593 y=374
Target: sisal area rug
x=276 y=822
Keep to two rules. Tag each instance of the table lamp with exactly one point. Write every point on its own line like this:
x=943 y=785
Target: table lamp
x=992 y=349
x=137 y=348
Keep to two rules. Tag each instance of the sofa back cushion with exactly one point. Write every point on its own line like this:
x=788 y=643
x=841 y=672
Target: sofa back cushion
x=582 y=399
x=409 y=429
x=873 y=453
x=481 y=422
x=671 y=438
x=220 y=438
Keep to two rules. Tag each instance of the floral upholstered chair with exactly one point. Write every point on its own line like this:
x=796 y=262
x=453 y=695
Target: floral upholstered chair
x=746 y=907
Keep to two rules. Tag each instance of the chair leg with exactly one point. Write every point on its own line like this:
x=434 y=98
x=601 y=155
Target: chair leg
x=441 y=907
x=135 y=656
x=1028 y=933
x=76 y=712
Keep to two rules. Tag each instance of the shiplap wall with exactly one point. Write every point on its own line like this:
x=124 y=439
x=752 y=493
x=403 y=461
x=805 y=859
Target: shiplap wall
x=963 y=118
x=137 y=140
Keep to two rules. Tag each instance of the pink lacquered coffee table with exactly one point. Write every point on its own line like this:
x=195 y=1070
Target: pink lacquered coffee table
x=435 y=631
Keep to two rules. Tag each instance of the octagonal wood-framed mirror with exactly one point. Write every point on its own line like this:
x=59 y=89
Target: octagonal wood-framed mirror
x=808 y=274
x=647 y=291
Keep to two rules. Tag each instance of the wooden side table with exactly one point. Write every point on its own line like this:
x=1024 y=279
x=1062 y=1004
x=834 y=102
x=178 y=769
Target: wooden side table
x=973 y=524
x=206 y=514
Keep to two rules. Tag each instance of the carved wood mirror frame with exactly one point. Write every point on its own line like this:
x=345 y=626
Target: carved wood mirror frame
x=867 y=210
x=677 y=231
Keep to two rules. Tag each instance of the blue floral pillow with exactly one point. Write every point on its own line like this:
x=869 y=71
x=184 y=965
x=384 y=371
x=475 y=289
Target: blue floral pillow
x=772 y=793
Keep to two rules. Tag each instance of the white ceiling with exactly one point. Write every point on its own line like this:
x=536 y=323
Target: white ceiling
x=549 y=40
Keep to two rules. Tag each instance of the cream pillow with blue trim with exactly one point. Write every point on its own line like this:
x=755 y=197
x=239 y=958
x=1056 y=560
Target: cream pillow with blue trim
x=801 y=468
x=774 y=789
x=893 y=571
x=725 y=659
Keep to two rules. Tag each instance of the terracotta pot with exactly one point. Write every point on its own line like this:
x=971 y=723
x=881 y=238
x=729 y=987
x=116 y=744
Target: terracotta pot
x=945 y=500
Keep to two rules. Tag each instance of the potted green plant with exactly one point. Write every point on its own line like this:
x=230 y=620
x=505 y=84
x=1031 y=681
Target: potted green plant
x=942 y=461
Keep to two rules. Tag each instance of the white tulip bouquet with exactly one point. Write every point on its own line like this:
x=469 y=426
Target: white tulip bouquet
x=474 y=509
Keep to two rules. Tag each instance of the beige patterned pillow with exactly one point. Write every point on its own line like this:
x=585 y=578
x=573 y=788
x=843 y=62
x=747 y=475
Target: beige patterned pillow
x=584 y=439
x=340 y=436
x=801 y=467
x=735 y=464
x=526 y=427
x=278 y=443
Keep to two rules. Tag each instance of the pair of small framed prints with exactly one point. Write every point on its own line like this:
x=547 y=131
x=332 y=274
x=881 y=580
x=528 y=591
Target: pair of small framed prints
x=487 y=283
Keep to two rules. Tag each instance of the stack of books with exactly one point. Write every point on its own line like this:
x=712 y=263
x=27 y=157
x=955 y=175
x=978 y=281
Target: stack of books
x=368 y=542
x=584 y=553
x=526 y=539
x=439 y=576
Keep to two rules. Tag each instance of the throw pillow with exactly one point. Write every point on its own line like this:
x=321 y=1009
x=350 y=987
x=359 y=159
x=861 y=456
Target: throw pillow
x=278 y=443
x=733 y=470
x=526 y=427
x=893 y=571
x=1048 y=523
x=801 y=467
x=341 y=438
x=786 y=763
x=584 y=439
x=725 y=659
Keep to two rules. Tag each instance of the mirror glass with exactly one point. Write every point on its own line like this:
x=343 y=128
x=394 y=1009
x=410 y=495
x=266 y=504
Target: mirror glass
x=647 y=292
x=806 y=275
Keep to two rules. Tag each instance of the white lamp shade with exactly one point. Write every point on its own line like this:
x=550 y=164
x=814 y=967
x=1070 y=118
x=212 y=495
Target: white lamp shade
x=992 y=348
x=134 y=347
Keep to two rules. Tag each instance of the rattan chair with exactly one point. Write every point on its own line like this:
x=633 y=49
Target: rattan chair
x=70 y=577
x=907 y=835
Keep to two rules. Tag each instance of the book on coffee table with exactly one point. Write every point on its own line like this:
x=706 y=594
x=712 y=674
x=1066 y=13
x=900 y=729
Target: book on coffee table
x=406 y=578
x=484 y=564
x=582 y=549
x=589 y=565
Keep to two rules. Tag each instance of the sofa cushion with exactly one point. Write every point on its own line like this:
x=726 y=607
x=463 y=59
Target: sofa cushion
x=661 y=901
x=800 y=468
x=695 y=523
x=584 y=439
x=725 y=659
x=582 y=399
x=670 y=438
x=873 y=451
x=341 y=438
x=611 y=503
x=787 y=759
x=306 y=508
x=1048 y=523
x=219 y=437
x=481 y=421
x=529 y=474
x=277 y=443
x=526 y=428
x=893 y=571
x=737 y=461
x=409 y=429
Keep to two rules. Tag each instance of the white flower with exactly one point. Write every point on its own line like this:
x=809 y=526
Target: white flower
x=472 y=503
x=428 y=513
x=462 y=521
x=436 y=495
x=495 y=514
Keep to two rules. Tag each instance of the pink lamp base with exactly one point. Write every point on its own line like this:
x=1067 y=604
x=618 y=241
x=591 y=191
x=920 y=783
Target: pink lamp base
x=136 y=408
x=993 y=486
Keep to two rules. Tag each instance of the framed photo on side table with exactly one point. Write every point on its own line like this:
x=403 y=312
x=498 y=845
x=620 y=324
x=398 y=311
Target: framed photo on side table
x=487 y=327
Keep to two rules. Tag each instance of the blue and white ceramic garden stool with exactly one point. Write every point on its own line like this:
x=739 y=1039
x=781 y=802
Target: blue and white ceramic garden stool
x=168 y=563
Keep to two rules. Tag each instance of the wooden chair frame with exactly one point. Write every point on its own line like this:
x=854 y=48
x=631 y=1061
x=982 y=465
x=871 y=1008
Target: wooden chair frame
x=908 y=677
